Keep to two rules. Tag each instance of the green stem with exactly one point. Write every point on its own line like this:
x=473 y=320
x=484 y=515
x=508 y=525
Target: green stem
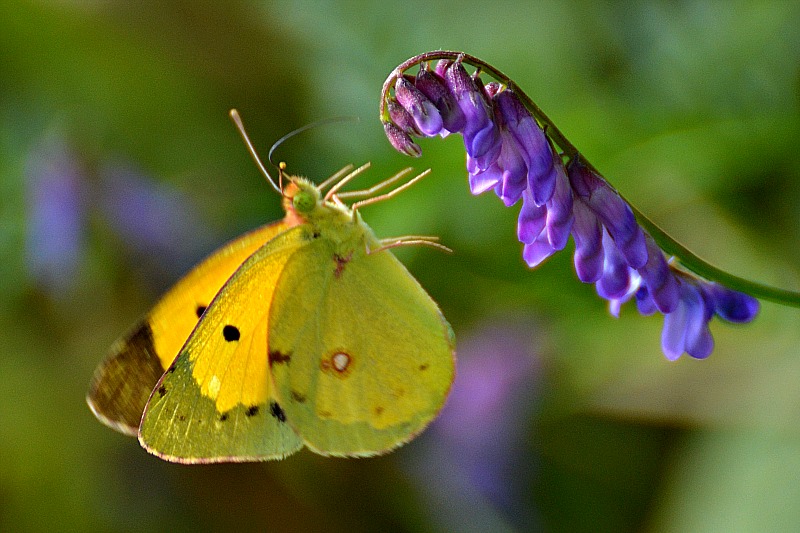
x=687 y=259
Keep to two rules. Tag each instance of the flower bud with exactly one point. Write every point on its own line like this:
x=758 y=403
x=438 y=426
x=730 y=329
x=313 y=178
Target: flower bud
x=425 y=114
x=401 y=140
x=480 y=132
x=432 y=86
x=491 y=89
x=401 y=117
x=731 y=305
x=441 y=67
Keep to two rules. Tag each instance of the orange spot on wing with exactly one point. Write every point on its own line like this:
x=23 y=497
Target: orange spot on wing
x=339 y=363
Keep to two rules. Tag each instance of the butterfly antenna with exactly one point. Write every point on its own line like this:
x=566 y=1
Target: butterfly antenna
x=237 y=120
x=281 y=172
x=301 y=129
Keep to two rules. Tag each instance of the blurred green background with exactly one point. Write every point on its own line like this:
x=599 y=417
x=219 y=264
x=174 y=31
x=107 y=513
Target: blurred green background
x=119 y=168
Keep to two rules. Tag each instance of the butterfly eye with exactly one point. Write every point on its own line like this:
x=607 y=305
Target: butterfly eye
x=304 y=201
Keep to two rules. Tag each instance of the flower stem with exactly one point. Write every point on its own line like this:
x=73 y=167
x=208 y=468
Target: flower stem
x=670 y=246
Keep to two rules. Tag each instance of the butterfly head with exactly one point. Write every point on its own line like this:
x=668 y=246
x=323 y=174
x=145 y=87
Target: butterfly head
x=300 y=196
x=303 y=202
x=303 y=195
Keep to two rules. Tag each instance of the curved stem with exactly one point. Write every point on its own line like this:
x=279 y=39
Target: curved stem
x=687 y=259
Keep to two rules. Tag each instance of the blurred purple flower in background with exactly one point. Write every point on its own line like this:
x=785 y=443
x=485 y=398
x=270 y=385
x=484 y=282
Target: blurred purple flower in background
x=56 y=215
x=156 y=222
x=509 y=153
x=479 y=445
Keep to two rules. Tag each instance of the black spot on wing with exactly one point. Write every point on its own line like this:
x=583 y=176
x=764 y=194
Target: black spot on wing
x=424 y=366
x=252 y=410
x=200 y=310
x=224 y=417
x=231 y=333
x=276 y=411
x=276 y=357
x=162 y=391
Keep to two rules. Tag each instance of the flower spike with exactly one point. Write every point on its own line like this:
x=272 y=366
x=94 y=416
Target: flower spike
x=511 y=149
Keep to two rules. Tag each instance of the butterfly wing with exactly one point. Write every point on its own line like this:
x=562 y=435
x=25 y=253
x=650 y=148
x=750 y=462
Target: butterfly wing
x=123 y=382
x=361 y=357
x=216 y=403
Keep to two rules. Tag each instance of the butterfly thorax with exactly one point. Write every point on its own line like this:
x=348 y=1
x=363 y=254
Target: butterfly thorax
x=333 y=221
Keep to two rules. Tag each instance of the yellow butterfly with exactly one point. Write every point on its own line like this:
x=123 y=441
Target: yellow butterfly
x=305 y=332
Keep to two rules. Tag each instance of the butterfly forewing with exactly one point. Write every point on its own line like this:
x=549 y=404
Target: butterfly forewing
x=216 y=402
x=123 y=382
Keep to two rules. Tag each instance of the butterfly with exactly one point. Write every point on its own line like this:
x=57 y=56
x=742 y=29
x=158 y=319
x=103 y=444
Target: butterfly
x=304 y=332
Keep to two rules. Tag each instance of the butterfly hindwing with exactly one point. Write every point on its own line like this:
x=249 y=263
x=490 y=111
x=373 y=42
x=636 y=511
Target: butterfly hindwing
x=361 y=356
x=123 y=382
x=216 y=402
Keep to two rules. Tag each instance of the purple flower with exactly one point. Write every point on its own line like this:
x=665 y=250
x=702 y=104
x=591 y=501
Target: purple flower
x=402 y=118
x=644 y=304
x=481 y=138
x=559 y=208
x=696 y=302
x=536 y=150
x=525 y=160
x=588 y=236
x=659 y=279
x=433 y=86
x=425 y=114
x=686 y=327
x=732 y=306
x=617 y=280
x=57 y=198
x=157 y=222
x=616 y=215
x=532 y=232
x=506 y=175
x=401 y=140
x=509 y=153
x=553 y=221
x=441 y=67
x=531 y=219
